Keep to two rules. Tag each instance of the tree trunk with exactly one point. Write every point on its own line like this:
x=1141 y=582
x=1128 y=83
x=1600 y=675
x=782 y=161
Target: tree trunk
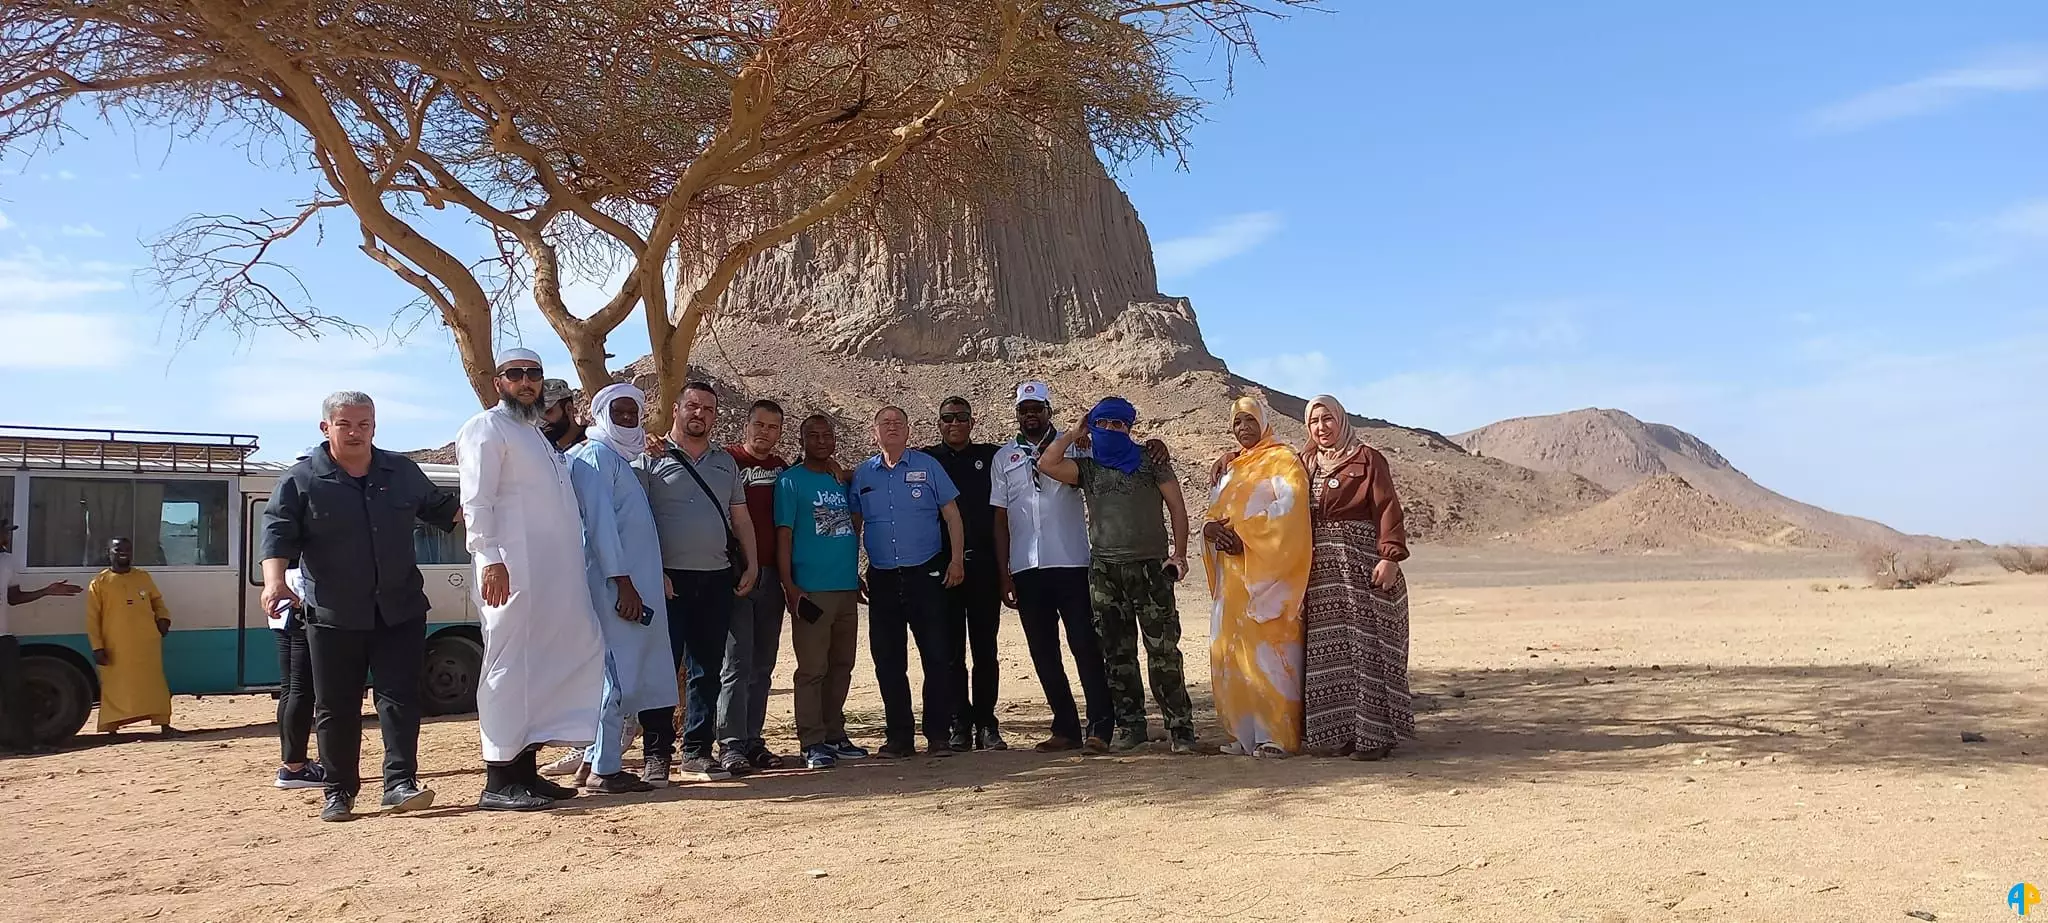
x=473 y=344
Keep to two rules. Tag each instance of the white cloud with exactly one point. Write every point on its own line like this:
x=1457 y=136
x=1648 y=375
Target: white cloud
x=1546 y=327
x=2011 y=71
x=2017 y=233
x=1182 y=256
x=63 y=340
x=282 y=378
x=81 y=230
x=1300 y=374
x=32 y=277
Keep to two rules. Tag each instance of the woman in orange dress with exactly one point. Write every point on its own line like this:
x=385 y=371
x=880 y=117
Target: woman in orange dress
x=1258 y=560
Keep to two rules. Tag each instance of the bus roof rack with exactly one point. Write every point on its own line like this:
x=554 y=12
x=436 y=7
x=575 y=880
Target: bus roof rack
x=73 y=448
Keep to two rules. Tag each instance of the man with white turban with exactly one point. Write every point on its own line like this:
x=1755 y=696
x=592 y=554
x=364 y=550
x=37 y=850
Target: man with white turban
x=543 y=671
x=622 y=564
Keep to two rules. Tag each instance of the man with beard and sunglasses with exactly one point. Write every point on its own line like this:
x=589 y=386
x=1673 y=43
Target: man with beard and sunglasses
x=543 y=670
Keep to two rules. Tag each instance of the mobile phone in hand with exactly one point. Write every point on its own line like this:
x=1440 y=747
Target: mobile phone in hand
x=809 y=611
x=646 y=614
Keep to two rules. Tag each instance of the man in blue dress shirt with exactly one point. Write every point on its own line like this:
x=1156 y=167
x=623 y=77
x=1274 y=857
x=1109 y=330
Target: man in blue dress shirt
x=900 y=497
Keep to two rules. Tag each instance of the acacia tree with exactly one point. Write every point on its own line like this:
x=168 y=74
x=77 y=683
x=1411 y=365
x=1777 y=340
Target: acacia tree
x=678 y=138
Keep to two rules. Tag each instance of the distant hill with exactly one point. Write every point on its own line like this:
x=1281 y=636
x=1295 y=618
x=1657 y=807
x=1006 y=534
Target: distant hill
x=1619 y=452
x=1665 y=513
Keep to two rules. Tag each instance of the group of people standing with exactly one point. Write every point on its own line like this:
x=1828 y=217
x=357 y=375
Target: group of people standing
x=623 y=574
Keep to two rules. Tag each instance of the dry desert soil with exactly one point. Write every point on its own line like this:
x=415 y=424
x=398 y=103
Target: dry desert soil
x=1608 y=739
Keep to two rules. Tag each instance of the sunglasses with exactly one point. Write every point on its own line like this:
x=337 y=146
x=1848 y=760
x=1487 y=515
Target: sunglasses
x=958 y=416
x=532 y=374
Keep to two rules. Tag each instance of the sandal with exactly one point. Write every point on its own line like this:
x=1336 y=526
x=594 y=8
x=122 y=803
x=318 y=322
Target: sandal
x=765 y=758
x=1233 y=748
x=1270 y=751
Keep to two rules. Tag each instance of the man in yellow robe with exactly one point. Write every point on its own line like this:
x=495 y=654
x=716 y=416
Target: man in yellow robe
x=126 y=621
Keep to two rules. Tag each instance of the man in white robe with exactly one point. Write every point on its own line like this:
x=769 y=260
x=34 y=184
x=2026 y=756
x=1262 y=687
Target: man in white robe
x=622 y=565
x=543 y=671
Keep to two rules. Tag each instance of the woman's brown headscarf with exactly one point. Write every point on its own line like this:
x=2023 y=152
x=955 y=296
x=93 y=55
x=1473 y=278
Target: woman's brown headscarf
x=1318 y=457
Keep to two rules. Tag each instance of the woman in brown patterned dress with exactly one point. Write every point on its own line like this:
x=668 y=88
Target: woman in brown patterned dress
x=1355 y=618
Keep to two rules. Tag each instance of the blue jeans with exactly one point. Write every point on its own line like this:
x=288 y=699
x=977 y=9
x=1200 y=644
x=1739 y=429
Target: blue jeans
x=697 y=620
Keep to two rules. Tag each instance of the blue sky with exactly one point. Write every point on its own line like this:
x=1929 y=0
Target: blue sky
x=1815 y=236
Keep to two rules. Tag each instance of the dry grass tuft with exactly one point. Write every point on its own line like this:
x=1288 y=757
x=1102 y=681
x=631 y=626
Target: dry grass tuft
x=2019 y=559
x=1892 y=569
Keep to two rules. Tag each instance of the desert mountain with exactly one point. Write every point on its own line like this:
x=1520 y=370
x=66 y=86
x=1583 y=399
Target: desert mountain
x=1061 y=289
x=1619 y=452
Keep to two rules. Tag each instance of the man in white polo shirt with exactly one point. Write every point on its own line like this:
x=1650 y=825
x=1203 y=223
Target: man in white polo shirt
x=1042 y=555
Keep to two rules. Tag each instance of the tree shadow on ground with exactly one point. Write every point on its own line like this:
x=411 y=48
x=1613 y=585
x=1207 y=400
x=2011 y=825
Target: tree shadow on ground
x=1508 y=726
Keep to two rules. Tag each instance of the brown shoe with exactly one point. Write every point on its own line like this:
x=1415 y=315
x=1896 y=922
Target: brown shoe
x=1095 y=746
x=1056 y=744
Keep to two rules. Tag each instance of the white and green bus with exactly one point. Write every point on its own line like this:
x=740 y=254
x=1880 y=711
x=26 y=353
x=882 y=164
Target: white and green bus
x=193 y=505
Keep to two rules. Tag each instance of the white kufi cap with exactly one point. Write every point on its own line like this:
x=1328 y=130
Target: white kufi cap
x=517 y=354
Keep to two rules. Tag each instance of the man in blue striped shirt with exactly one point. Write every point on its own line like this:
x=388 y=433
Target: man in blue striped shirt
x=900 y=498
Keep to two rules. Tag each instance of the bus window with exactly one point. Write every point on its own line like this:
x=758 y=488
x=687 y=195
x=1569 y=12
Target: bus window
x=6 y=498
x=172 y=523
x=433 y=546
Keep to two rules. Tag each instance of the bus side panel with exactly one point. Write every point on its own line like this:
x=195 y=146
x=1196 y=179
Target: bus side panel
x=199 y=653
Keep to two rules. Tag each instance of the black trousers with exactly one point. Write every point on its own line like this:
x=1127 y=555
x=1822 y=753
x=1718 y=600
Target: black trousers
x=906 y=603
x=1047 y=598
x=974 y=614
x=343 y=660
x=14 y=725
x=698 y=618
x=294 y=692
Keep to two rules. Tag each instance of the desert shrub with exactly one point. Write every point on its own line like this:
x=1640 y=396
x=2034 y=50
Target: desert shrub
x=1892 y=569
x=2019 y=559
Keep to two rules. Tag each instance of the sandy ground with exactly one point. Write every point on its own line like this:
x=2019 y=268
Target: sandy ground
x=1781 y=748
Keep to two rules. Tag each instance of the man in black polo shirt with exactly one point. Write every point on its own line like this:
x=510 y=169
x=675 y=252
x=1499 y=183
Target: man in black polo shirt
x=974 y=608
x=345 y=513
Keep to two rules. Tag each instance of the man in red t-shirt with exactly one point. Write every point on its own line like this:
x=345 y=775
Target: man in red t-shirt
x=756 y=630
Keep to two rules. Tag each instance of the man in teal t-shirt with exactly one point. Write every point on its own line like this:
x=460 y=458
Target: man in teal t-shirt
x=819 y=560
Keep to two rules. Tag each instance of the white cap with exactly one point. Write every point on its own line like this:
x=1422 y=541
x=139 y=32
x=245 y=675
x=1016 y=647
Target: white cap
x=517 y=354
x=1034 y=391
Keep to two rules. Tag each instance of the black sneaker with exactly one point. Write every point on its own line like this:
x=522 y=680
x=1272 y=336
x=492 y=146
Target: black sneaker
x=548 y=789
x=989 y=738
x=962 y=739
x=408 y=795
x=940 y=748
x=514 y=797
x=896 y=751
x=735 y=763
x=340 y=806
x=702 y=769
x=618 y=783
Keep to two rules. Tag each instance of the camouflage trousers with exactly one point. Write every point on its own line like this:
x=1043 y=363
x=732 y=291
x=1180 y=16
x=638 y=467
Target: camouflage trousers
x=1131 y=601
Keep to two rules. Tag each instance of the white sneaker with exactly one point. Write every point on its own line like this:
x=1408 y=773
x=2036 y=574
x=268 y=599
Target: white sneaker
x=567 y=765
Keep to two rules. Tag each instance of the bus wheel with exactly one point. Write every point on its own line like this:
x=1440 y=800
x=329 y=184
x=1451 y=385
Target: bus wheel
x=454 y=663
x=59 y=698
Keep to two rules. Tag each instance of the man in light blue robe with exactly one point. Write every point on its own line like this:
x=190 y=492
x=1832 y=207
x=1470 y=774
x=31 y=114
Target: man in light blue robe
x=622 y=565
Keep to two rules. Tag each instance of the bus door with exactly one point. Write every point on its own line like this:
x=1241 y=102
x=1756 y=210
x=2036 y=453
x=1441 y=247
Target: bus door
x=256 y=650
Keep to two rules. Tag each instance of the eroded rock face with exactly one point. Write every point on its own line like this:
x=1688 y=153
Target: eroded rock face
x=1073 y=265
